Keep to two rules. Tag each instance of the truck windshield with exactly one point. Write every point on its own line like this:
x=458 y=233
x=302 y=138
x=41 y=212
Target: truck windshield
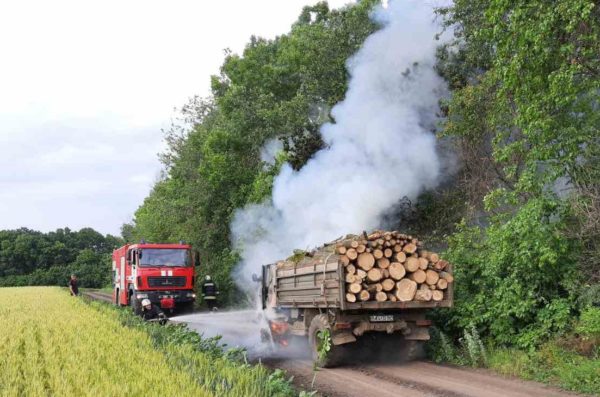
x=164 y=257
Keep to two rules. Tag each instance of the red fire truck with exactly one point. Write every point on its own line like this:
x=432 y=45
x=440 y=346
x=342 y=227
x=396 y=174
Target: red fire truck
x=163 y=273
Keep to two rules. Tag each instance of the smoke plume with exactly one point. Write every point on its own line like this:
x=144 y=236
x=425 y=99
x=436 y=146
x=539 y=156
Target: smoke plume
x=379 y=149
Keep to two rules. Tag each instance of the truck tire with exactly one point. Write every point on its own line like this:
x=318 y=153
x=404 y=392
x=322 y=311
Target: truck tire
x=333 y=358
x=186 y=308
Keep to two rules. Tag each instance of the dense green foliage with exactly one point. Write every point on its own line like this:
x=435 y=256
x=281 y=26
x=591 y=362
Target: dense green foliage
x=277 y=89
x=29 y=257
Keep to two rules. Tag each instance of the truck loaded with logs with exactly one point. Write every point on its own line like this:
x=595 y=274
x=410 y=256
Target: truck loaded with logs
x=355 y=289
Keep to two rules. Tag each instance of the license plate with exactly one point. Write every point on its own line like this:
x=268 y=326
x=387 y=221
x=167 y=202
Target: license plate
x=381 y=318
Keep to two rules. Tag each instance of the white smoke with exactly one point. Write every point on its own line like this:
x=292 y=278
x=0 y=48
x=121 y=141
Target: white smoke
x=379 y=149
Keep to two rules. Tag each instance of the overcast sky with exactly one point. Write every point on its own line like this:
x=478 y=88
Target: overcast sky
x=86 y=86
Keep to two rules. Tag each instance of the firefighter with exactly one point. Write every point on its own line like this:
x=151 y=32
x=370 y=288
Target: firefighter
x=209 y=293
x=152 y=312
x=73 y=285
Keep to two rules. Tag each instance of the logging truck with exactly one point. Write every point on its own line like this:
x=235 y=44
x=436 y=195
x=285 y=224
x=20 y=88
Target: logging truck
x=163 y=273
x=353 y=293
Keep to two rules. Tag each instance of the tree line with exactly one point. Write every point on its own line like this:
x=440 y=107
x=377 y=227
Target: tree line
x=29 y=257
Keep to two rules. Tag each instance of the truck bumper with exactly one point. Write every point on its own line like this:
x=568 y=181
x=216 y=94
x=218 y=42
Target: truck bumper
x=178 y=296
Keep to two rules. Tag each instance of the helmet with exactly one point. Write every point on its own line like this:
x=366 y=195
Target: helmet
x=207 y=278
x=146 y=302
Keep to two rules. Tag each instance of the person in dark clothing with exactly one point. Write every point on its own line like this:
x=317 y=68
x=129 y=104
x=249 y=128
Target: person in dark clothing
x=73 y=285
x=209 y=293
x=152 y=312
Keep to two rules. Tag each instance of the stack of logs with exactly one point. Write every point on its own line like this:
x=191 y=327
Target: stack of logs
x=391 y=266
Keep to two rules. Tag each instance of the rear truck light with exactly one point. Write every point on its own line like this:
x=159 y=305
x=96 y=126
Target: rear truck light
x=141 y=296
x=342 y=326
x=423 y=323
x=279 y=328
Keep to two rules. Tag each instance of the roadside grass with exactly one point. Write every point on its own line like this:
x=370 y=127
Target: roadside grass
x=570 y=362
x=54 y=344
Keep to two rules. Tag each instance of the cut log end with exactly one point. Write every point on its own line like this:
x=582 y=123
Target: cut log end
x=350 y=297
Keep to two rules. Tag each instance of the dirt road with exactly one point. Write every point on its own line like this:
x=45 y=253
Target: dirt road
x=416 y=379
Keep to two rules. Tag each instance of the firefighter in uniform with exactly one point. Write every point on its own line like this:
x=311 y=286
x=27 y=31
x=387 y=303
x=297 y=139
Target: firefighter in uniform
x=152 y=312
x=209 y=293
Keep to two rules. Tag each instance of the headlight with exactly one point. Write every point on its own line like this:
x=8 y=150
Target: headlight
x=191 y=295
x=141 y=296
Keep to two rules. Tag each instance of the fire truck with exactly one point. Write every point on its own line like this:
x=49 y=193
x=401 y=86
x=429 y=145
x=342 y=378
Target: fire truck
x=163 y=273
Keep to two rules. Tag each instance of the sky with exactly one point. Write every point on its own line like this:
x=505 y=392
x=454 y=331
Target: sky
x=87 y=86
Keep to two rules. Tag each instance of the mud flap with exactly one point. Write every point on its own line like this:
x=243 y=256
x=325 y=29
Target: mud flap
x=340 y=338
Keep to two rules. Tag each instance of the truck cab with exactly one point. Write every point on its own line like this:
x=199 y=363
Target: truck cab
x=163 y=273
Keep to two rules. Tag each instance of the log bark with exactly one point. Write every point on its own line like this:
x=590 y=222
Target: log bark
x=419 y=276
x=388 y=284
x=437 y=295
x=374 y=275
x=350 y=297
x=405 y=290
x=432 y=277
x=386 y=273
x=365 y=261
x=397 y=271
x=441 y=264
x=411 y=264
x=447 y=276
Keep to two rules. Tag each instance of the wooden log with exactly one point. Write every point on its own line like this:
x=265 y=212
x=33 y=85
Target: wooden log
x=424 y=254
x=364 y=295
x=351 y=278
x=392 y=297
x=350 y=269
x=432 y=277
x=418 y=276
x=397 y=270
x=354 y=244
x=352 y=254
x=388 y=284
x=360 y=249
x=447 y=276
x=365 y=261
x=442 y=284
x=341 y=250
x=411 y=264
x=386 y=273
x=374 y=236
x=371 y=287
x=441 y=264
x=350 y=297
x=401 y=257
x=409 y=248
x=383 y=263
x=423 y=263
x=437 y=295
x=377 y=253
x=431 y=286
x=405 y=290
x=434 y=258
x=397 y=247
x=361 y=274
x=374 y=274
x=380 y=296
x=423 y=295
x=344 y=260
x=388 y=253
x=355 y=288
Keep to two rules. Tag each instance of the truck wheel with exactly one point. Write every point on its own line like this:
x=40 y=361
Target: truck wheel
x=118 y=298
x=136 y=305
x=318 y=326
x=186 y=308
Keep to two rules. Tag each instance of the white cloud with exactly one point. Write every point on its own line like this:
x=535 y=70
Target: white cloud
x=86 y=88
